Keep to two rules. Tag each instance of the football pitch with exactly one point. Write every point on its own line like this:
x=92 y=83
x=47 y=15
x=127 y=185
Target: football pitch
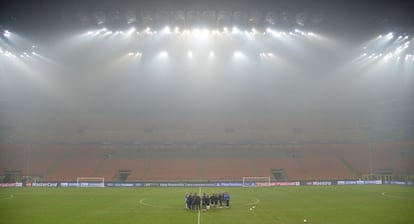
x=316 y=204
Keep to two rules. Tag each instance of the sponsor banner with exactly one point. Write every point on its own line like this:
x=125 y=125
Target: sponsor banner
x=17 y=184
x=69 y=184
x=373 y=182
x=201 y=185
x=151 y=185
x=44 y=184
x=261 y=184
x=7 y=184
x=123 y=184
x=236 y=184
x=172 y=184
x=347 y=182
x=318 y=183
x=396 y=182
x=359 y=182
x=91 y=185
x=290 y=183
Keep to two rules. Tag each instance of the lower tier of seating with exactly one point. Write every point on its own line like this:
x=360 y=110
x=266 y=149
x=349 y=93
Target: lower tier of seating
x=206 y=162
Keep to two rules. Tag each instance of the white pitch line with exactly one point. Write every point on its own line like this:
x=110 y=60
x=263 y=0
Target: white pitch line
x=256 y=201
x=10 y=197
x=198 y=219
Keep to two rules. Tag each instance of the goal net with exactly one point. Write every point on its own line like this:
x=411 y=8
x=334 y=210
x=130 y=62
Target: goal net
x=90 y=182
x=256 y=181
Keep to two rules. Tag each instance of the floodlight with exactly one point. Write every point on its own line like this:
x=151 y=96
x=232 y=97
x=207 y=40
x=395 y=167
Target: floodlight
x=130 y=17
x=196 y=31
x=235 y=30
x=99 y=17
x=211 y=53
x=166 y=30
x=205 y=32
x=130 y=31
x=238 y=54
x=6 y=33
x=163 y=54
x=301 y=19
x=190 y=54
x=130 y=54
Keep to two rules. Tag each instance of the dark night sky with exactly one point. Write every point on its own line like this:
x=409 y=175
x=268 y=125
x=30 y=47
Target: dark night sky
x=340 y=16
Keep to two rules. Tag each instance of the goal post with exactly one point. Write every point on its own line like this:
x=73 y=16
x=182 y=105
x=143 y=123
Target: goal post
x=256 y=181
x=90 y=182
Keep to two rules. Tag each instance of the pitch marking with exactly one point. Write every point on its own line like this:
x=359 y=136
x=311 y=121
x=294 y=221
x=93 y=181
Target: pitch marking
x=9 y=197
x=255 y=202
x=385 y=194
x=142 y=202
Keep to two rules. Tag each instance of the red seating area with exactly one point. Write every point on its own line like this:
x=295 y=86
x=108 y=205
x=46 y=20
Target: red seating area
x=174 y=168
x=305 y=162
x=226 y=168
x=290 y=165
x=368 y=158
x=111 y=166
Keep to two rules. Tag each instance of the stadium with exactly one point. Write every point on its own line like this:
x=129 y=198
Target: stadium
x=114 y=111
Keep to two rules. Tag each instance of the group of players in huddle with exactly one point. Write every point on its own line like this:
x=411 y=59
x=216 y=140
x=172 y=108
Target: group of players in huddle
x=197 y=202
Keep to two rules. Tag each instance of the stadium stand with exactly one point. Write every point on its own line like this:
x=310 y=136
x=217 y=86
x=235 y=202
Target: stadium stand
x=207 y=162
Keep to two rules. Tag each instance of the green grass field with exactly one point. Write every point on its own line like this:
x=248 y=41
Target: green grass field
x=330 y=204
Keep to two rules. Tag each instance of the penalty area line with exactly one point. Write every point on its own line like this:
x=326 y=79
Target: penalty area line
x=5 y=198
